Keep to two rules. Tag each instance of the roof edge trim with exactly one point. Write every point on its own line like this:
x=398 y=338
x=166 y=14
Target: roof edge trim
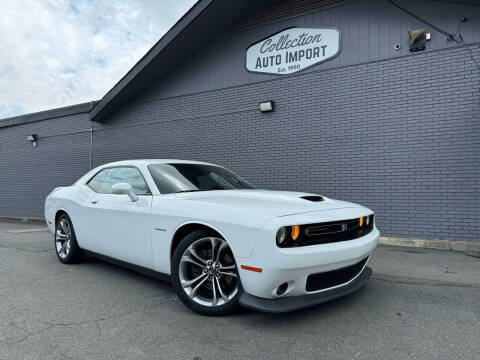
x=47 y=114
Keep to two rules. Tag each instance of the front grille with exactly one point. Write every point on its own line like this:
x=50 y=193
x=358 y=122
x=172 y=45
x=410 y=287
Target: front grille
x=333 y=278
x=330 y=232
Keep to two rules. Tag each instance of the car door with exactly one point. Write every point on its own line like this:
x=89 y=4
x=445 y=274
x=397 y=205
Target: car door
x=119 y=227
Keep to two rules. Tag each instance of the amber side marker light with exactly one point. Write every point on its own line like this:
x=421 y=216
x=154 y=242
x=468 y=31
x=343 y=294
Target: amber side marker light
x=361 y=221
x=251 y=268
x=295 y=232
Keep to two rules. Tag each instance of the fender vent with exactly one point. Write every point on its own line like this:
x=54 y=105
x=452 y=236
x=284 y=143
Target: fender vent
x=313 y=198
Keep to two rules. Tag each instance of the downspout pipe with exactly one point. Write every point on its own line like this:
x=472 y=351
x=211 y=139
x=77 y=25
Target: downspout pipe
x=91 y=137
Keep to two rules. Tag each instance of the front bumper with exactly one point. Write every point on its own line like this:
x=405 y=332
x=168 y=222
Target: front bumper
x=294 y=265
x=291 y=303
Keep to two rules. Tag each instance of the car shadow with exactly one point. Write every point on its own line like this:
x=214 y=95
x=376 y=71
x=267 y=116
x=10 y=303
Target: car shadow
x=123 y=271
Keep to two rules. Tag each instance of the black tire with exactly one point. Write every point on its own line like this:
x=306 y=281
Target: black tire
x=74 y=253
x=218 y=310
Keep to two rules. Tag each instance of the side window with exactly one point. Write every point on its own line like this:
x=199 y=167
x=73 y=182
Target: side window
x=128 y=175
x=96 y=182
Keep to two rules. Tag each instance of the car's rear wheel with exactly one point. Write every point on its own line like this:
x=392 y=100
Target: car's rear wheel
x=66 y=245
x=204 y=274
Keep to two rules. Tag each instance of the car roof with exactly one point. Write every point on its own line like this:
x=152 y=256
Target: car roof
x=135 y=162
x=153 y=161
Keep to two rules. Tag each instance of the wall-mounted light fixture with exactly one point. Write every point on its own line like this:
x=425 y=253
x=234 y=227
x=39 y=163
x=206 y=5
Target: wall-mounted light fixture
x=33 y=138
x=417 y=40
x=266 y=106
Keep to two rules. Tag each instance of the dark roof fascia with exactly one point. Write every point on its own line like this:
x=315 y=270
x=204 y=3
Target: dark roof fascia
x=178 y=27
x=48 y=114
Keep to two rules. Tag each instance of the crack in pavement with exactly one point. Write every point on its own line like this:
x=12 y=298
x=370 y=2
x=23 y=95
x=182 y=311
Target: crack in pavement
x=51 y=325
x=29 y=333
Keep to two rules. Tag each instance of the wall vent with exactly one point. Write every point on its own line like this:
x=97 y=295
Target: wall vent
x=276 y=10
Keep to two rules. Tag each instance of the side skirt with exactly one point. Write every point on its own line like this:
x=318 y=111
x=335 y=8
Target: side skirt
x=129 y=266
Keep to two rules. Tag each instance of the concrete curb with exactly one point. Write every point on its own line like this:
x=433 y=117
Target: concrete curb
x=463 y=246
x=24 y=219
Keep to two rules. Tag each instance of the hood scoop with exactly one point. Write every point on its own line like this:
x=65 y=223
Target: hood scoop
x=312 y=198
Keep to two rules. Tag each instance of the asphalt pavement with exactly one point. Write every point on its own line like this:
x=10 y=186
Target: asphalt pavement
x=420 y=304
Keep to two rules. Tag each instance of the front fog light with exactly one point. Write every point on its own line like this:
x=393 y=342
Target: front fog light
x=281 y=235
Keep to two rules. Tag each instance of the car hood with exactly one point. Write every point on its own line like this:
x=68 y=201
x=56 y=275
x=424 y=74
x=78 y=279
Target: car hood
x=278 y=203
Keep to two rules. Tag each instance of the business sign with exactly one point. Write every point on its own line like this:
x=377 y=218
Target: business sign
x=293 y=50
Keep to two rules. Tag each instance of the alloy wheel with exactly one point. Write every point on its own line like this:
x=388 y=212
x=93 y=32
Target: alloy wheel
x=208 y=273
x=63 y=238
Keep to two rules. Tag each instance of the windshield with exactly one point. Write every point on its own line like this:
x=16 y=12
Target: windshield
x=176 y=178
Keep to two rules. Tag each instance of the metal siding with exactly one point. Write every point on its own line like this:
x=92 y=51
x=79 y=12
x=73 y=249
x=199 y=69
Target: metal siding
x=221 y=63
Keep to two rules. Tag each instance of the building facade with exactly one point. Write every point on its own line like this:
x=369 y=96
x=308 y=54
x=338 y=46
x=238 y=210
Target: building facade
x=393 y=129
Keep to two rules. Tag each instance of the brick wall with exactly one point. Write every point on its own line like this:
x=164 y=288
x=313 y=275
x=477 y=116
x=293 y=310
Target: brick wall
x=28 y=174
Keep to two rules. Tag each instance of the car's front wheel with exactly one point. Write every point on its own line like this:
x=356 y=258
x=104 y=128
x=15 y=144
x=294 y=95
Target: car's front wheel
x=66 y=245
x=204 y=274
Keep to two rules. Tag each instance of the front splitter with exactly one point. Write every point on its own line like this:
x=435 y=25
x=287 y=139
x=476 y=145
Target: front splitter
x=291 y=303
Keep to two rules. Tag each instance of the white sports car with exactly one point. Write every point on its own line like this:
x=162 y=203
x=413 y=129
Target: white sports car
x=221 y=242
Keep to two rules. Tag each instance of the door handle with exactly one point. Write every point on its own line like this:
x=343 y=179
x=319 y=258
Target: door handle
x=94 y=202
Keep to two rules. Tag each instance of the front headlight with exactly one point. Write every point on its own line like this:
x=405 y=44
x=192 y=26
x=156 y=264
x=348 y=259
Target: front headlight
x=288 y=235
x=281 y=235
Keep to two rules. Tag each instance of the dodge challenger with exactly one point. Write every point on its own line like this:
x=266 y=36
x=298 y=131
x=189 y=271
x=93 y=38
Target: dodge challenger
x=221 y=242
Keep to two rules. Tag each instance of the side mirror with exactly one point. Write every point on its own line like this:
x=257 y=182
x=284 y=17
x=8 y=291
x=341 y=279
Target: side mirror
x=124 y=189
